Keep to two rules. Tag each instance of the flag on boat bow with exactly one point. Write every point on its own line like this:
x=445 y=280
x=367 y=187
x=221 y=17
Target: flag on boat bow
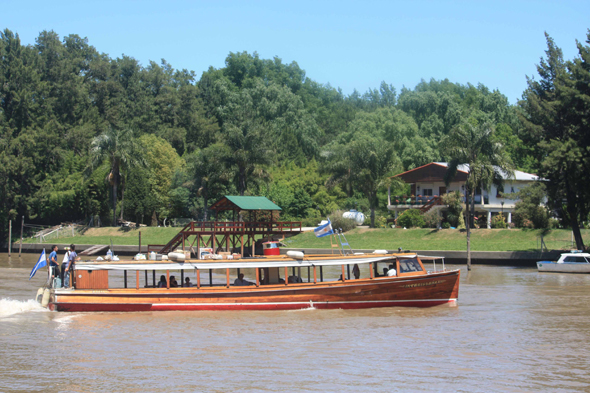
x=324 y=230
x=42 y=262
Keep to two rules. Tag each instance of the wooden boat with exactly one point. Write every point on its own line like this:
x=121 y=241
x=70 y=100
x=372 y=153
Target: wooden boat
x=411 y=285
x=571 y=262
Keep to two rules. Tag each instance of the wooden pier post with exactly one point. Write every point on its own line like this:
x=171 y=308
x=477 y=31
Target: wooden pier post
x=9 y=237
x=139 y=251
x=22 y=225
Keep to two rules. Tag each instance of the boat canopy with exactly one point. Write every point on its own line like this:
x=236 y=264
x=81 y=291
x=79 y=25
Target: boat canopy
x=234 y=264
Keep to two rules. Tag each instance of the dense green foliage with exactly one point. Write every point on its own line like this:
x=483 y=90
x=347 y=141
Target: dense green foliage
x=253 y=127
x=411 y=218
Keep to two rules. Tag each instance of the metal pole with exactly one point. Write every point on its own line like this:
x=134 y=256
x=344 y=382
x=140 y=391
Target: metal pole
x=9 y=237
x=22 y=224
x=139 y=242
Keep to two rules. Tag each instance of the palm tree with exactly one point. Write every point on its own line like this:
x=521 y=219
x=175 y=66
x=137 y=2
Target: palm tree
x=472 y=143
x=121 y=150
x=365 y=164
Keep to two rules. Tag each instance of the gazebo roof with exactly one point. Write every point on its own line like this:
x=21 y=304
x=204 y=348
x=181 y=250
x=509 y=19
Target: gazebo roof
x=252 y=203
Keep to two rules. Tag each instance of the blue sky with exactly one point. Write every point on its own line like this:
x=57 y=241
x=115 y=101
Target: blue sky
x=349 y=44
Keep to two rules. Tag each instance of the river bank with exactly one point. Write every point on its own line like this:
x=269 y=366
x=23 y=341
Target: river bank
x=411 y=239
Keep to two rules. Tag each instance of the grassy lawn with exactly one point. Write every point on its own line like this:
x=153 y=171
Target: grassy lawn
x=446 y=239
x=410 y=239
x=120 y=236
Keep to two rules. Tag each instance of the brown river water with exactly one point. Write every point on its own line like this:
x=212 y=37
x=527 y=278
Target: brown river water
x=513 y=330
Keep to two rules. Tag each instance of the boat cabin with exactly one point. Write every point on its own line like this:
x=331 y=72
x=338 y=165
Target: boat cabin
x=259 y=271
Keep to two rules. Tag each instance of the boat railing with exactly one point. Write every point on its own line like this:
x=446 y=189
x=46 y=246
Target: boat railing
x=425 y=258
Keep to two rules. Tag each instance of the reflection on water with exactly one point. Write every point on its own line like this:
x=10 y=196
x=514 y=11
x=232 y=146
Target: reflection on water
x=513 y=330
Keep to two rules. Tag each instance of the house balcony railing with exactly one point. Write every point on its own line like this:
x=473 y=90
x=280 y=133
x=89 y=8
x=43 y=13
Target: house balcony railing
x=415 y=200
x=419 y=201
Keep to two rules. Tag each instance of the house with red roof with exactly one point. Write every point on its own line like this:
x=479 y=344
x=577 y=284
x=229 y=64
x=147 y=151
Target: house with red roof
x=427 y=187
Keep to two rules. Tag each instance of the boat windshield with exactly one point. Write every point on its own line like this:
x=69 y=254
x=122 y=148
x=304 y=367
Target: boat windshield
x=578 y=259
x=408 y=265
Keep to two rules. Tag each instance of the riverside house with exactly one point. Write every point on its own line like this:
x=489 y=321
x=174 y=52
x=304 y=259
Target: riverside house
x=427 y=188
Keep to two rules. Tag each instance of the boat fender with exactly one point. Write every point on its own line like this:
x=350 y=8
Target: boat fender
x=295 y=254
x=176 y=256
x=39 y=295
x=46 y=296
x=380 y=252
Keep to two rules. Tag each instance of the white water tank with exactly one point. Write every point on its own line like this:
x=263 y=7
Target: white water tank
x=357 y=216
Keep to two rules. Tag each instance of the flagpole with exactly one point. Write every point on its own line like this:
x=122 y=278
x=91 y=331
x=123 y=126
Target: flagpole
x=20 y=247
x=9 y=237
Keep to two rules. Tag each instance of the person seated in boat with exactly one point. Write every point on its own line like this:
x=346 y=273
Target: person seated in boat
x=391 y=271
x=356 y=271
x=187 y=282
x=385 y=270
x=173 y=283
x=240 y=282
x=162 y=283
x=294 y=279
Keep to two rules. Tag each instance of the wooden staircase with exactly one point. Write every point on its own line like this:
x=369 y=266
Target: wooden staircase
x=433 y=202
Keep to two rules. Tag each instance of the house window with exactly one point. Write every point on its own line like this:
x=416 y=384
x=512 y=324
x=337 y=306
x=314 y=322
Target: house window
x=427 y=192
x=499 y=192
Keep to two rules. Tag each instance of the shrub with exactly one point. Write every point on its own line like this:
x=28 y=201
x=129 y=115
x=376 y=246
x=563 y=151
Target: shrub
x=461 y=223
x=528 y=212
x=453 y=201
x=498 y=221
x=445 y=225
x=411 y=218
x=310 y=221
x=339 y=222
x=380 y=221
x=431 y=219
x=481 y=221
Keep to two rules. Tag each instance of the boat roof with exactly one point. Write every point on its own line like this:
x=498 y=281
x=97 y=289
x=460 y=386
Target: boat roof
x=575 y=254
x=244 y=263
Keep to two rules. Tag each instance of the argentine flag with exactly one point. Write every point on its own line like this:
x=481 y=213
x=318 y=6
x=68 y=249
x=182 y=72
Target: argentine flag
x=324 y=230
x=40 y=263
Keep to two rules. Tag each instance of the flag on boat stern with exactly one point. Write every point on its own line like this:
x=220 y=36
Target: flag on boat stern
x=324 y=230
x=42 y=262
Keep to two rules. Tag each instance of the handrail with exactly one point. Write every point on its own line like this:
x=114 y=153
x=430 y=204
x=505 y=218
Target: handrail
x=243 y=226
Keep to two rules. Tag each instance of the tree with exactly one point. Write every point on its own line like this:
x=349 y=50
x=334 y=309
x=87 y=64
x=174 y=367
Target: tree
x=208 y=173
x=120 y=149
x=365 y=163
x=472 y=143
x=163 y=162
x=555 y=114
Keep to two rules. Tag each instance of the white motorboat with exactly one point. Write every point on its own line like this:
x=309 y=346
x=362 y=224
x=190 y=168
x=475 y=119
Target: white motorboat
x=571 y=262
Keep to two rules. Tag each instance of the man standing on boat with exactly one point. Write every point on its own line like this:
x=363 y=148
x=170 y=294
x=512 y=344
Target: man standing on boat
x=70 y=265
x=53 y=265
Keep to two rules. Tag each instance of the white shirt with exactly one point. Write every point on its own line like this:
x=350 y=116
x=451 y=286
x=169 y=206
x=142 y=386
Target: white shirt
x=391 y=272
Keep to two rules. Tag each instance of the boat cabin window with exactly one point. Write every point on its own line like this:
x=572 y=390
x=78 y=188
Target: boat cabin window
x=578 y=259
x=409 y=265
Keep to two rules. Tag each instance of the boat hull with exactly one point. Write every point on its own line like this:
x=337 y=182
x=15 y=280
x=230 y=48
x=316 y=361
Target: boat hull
x=416 y=291
x=565 y=267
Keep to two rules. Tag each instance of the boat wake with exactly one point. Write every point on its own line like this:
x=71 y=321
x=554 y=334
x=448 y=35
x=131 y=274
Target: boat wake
x=10 y=307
